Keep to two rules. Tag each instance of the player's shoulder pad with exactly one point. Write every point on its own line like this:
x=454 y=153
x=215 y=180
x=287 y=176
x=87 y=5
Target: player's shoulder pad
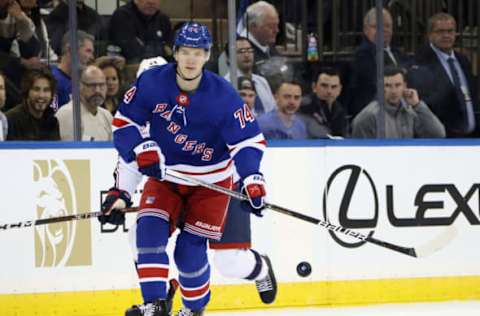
x=149 y=63
x=223 y=90
x=153 y=71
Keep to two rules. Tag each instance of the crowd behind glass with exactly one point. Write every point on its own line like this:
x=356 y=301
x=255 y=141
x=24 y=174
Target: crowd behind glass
x=430 y=92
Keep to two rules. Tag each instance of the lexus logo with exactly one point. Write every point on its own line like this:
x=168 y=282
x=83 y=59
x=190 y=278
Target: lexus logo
x=343 y=185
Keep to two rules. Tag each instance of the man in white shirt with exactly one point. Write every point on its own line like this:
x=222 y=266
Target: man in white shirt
x=95 y=120
x=265 y=101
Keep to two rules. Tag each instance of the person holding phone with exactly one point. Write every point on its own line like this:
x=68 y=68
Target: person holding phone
x=406 y=116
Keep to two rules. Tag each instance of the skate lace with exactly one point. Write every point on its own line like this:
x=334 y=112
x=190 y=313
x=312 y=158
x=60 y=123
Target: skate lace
x=150 y=309
x=264 y=284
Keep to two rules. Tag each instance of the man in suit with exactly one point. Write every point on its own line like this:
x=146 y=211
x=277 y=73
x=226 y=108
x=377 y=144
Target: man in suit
x=363 y=85
x=444 y=78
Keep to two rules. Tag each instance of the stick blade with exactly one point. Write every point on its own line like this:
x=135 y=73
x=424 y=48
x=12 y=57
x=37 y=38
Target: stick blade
x=438 y=243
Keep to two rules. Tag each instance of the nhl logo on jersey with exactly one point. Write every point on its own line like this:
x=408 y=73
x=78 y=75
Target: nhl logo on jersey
x=183 y=99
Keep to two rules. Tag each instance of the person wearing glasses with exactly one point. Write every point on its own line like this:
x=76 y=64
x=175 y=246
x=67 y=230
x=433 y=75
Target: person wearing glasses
x=95 y=120
x=245 y=63
x=444 y=78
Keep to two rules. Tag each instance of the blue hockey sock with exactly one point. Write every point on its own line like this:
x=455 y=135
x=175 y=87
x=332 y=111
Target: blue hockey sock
x=194 y=269
x=152 y=266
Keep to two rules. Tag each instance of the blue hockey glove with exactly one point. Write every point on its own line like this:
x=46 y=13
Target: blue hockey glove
x=150 y=159
x=112 y=206
x=254 y=188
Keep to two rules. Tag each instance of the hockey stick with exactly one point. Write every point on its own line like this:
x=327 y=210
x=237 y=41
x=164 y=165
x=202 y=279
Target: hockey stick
x=422 y=251
x=59 y=219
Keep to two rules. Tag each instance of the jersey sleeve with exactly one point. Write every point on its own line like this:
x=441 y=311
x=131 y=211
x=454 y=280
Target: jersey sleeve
x=244 y=139
x=127 y=177
x=131 y=120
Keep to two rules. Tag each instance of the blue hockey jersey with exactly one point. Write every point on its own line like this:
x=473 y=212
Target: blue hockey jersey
x=199 y=134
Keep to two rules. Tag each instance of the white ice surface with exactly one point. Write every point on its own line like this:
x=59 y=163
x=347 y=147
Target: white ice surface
x=463 y=308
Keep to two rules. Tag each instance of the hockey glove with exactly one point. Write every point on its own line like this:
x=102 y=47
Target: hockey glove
x=150 y=159
x=254 y=188
x=112 y=206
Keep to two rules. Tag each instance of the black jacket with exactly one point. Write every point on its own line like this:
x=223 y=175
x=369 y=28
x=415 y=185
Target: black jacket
x=434 y=86
x=363 y=83
x=139 y=36
x=320 y=120
x=23 y=126
x=88 y=20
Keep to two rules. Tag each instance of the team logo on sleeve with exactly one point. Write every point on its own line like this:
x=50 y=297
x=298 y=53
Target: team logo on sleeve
x=128 y=96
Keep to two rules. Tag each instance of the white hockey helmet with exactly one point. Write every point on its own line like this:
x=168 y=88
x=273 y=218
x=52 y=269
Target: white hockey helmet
x=149 y=63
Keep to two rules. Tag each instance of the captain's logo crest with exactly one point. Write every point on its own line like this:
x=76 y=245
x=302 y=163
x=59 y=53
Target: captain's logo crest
x=183 y=99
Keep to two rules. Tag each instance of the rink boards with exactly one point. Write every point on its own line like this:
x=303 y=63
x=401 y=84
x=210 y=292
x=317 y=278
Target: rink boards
x=404 y=192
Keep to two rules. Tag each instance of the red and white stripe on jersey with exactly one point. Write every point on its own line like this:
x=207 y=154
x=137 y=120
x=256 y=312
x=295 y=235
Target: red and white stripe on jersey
x=152 y=272
x=211 y=173
x=155 y=212
x=195 y=293
x=257 y=142
x=121 y=121
x=202 y=232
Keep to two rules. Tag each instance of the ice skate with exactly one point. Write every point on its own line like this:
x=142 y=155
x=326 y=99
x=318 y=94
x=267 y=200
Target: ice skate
x=267 y=287
x=188 y=312
x=140 y=310
x=157 y=308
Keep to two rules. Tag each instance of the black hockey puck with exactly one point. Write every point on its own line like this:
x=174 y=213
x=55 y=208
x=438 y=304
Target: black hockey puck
x=304 y=269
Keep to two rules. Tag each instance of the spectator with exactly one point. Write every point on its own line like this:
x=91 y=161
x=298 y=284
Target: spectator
x=323 y=114
x=262 y=21
x=45 y=52
x=33 y=119
x=141 y=30
x=88 y=20
x=444 y=78
x=63 y=71
x=3 y=118
x=364 y=66
x=111 y=67
x=406 y=116
x=246 y=89
x=95 y=120
x=16 y=26
x=284 y=123
x=245 y=57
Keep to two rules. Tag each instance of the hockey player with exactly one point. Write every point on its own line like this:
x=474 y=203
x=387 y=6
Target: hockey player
x=234 y=257
x=198 y=126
